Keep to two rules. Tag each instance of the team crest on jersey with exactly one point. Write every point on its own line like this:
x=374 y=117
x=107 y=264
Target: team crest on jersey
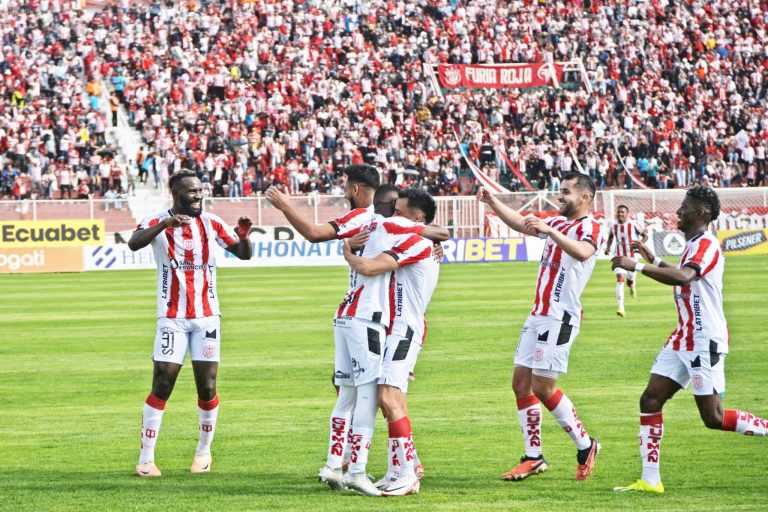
x=209 y=351
x=189 y=244
x=538 y=355
x=697 y=381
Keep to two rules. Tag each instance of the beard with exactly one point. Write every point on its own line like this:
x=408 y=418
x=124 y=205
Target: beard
x=188 y=209
x=566 y=209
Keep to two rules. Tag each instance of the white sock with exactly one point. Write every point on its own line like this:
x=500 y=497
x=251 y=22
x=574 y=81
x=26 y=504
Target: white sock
x=151 y=418
x=620 y=294
x=340 y=423
x=565 y=414
x=207 y=412
x=366 y=405
x=529 y=416
x=651 y=432
x=393 y=459
x=744 y=423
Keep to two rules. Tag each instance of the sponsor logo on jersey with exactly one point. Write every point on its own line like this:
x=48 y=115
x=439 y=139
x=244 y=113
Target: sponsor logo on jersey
x=164 y=285
x=697 y=311
x=559 y=285
x=399 y=299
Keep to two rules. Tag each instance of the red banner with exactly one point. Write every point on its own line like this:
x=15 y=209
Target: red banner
x=505 y=76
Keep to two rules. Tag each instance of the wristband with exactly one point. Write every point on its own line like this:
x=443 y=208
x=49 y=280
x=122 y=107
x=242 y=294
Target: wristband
x=639 y=268
x=657 y=260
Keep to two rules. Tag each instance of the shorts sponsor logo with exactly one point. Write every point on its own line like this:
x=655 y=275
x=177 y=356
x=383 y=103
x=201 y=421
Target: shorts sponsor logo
x=209 y=351
x=168 y=342
x=538 y=355
x=341 y=375
x=357 y=370
x=697 y=381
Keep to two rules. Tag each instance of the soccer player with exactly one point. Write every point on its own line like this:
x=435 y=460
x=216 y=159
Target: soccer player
x=695 y=351
x=624 y=231
x=360 y=188
x=410 y=257
x=542 y=352
x=187 y=309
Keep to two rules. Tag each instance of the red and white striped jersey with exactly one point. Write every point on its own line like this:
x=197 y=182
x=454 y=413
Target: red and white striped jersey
x=701 y=320
x=415 y=282
x=624 y=235
x=561 y=277
x=350 y=224
x=186 y=265
x=372 y=298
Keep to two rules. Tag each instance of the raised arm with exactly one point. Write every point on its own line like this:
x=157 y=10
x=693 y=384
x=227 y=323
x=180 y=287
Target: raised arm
x=243 y=248
x=309 y=230
x=508 y=216
x=143 y=237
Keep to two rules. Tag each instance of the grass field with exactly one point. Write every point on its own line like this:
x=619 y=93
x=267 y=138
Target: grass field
x=75 y=369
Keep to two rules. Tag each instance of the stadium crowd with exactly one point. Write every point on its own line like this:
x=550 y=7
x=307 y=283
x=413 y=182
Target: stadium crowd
x=285 y=92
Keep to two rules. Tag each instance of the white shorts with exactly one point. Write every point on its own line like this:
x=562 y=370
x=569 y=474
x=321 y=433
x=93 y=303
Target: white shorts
x=703 y=369
x=176 y=336
x=400 y=354
x=359 y=344
x=544 y=345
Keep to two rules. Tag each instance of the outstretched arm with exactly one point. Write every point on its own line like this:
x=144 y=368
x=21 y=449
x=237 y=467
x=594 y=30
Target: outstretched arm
x=509 y=216
x=666 y=274
x=143 y=237
x=648 y=256
x=309 y=230
x=369 y=266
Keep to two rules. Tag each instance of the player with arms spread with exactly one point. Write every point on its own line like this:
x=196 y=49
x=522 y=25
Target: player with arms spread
x=624 y=231
x=542 y=352
x=695 y=351
x=410 y=257
x=187 y=309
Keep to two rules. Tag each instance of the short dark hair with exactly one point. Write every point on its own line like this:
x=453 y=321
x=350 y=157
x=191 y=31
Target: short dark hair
x=383 y=190
x=363 y=174
x=622 y=206
x=421 y=200
x=707 y=198
x=583 y=181
x=180 y=175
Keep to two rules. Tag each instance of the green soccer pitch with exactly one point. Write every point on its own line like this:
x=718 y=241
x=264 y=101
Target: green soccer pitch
x=75 y=370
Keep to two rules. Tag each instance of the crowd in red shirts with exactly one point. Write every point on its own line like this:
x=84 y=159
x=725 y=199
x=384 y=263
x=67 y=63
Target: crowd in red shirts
x=285 y=92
